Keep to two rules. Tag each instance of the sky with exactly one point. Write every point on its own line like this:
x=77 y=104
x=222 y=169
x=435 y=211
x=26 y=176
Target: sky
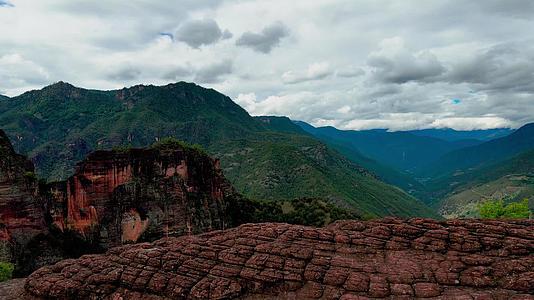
x=352 y=64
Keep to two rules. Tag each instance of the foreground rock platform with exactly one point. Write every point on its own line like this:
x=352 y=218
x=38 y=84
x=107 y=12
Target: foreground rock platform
x=388 y=258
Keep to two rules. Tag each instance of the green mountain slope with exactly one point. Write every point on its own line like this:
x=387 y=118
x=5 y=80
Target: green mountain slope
x=266 y=158
x=512 y=179
x=403 y=151
x=484 y=154
x=386 y=173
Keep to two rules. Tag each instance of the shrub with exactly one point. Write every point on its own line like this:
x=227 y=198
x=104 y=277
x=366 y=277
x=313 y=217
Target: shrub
x=517 y=210
x=496 y=209
x=6 y=271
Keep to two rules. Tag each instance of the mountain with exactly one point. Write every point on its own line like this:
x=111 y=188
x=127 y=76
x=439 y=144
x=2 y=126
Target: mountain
x=386 y=173
x=280 y=124
x=483 y=154
x=403 y=151
x=512 y=180
x=2 y=97
x=452 y=135
x=265 y=158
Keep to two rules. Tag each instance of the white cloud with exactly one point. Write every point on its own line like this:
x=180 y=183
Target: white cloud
x=343 y=63
x=18 y=73
x=471 y=123
x=315 y=71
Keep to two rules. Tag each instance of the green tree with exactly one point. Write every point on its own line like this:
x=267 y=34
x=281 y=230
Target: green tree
x=496 y=209
x=517 y=210
x=6 y=271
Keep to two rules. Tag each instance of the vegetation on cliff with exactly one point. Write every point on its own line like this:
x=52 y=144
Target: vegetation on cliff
x=6 y=271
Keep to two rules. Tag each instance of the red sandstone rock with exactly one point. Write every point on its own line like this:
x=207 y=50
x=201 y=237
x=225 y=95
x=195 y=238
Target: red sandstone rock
x=21 y=214
x=118 y=197
x=282 y=261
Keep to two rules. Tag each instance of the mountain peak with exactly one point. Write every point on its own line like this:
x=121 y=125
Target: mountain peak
x=61 y=85
x=527 y=127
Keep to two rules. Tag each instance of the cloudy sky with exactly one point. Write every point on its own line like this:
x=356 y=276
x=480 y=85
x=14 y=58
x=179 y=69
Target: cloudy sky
x=353 y=64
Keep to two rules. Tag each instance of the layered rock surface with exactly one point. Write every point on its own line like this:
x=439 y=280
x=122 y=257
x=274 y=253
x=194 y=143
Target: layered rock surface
x=141 y=194
x=21 y=212
x=401 y=259
x=115 y=197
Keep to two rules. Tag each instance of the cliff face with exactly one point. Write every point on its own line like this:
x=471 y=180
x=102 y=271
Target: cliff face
x=117 y=197
x=21 y=214
x=389 y=258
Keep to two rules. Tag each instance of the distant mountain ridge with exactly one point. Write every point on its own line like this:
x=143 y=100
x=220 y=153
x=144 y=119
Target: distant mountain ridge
x=402 y=150
x=453 y=169
x=265 y=158
x=486 y=153
x=450 y=135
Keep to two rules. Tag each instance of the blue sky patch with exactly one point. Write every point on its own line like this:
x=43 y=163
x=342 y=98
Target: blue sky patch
x=456 y=101
x=5 y=3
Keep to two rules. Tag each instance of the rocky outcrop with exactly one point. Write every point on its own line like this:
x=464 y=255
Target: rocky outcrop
x=115 y=197
x=389 y=258
x=125 y=196
x=21 y=213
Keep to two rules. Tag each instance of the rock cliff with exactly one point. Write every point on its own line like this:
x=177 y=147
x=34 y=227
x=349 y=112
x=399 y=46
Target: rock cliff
x=114 y=197
x=389 y=258
x=21 y=212
x=123 y=196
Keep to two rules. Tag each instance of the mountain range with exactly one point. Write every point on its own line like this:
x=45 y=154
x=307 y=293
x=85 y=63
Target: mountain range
x=267 y=158
x=272 y=158
x=455 y=171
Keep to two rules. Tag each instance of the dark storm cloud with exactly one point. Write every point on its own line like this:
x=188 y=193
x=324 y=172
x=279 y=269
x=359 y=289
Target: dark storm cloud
x=213 y=73
x=265 y=40
x=198 y=33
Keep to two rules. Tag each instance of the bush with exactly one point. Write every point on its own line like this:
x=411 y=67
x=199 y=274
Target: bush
x=170 y=143
x=6 y=271
x=496 y=209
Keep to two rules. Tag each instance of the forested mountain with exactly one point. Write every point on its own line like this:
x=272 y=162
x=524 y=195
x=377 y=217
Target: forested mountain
x=511 y=180
x=484 y=154
x=265 y=158
x=401 y=150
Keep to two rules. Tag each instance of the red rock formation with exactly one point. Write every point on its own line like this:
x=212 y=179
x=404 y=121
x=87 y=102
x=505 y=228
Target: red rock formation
x=117 y=197
x=389 y=258
x=21 y=215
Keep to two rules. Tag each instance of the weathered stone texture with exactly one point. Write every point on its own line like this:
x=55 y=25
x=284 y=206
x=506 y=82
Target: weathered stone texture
x=21 y=213
x=389 y=258
x=141 y=194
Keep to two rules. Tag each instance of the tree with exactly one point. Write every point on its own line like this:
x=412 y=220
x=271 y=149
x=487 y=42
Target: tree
x=517 y=210
x=6 y=271
x=496 y=209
